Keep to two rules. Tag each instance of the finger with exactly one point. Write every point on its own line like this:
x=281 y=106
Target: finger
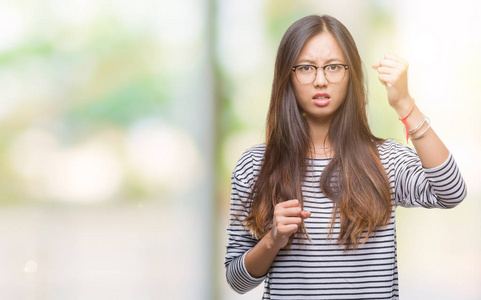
x=385 y=78
x=291 y=212
x=284 y=221
x=388 y=83
x=395 y=58
x=385 y=70
x=288 y=229
x=388 y=63
x=289 y=203
x=305 y=214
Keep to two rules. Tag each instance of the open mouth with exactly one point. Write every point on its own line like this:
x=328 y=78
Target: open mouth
x=321 y=99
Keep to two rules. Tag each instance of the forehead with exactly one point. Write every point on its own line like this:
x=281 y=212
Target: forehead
x=321 y=48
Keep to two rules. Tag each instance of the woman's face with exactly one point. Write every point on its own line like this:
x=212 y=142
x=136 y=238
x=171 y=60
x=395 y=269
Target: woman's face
x=320 y=99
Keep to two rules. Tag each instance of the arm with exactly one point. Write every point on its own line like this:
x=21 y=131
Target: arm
x=393 y=73
x=431 y=178
x=288 y=215
x=248 y=260
x=417 y=186
x=240 y=241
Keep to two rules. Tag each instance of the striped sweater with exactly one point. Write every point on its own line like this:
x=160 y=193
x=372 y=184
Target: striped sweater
x=321 y=269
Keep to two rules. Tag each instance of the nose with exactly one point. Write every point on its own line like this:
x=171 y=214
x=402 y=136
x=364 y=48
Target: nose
x=320 y=78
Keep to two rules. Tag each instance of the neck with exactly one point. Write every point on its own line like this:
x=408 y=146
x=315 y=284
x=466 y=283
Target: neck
x=318 y=130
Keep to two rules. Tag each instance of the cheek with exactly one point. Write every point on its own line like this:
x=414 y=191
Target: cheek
x=343 y=91
x=297 y=91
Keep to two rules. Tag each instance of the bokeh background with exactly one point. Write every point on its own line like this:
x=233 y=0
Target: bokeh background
x=121 y=122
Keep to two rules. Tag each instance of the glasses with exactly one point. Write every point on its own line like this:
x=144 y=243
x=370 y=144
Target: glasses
x=306 y=74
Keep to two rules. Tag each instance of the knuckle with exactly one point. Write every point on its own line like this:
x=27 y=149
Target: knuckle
x=277 y=220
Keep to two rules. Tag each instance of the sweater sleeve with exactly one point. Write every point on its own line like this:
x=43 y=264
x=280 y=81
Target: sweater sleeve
x=416 y=186
x=240 y=239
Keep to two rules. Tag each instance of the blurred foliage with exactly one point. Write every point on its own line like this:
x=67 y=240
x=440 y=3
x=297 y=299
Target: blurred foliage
x=105 y=76
x=282 y=15
x=123 y=105
x=75 y=82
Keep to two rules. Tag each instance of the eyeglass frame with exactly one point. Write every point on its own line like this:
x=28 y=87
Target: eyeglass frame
x=323 y=71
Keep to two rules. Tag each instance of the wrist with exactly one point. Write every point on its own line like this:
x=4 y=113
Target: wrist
x=270 y=242
x=404 y=107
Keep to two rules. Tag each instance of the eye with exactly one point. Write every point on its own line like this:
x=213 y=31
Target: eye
x=305 y=68
x=333 y=68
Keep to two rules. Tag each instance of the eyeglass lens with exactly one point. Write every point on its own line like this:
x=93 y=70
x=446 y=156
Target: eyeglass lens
x=333 y=73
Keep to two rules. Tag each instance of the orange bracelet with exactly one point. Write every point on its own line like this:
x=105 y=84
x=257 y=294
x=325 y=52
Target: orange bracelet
x=406 y=123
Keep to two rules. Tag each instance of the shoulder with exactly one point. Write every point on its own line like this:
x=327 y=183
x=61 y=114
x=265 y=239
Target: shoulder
x=391 y=149
x=249 y=163
x=396 y=155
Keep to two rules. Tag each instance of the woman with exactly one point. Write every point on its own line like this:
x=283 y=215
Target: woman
x=313 y=210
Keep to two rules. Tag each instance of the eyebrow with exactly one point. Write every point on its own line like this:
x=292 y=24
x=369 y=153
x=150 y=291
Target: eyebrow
x=307 y=60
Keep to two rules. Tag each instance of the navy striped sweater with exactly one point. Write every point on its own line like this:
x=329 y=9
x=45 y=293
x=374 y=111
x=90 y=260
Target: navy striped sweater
x=321 y=269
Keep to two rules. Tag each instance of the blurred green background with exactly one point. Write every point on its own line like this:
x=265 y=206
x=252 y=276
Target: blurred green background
x=121 y=122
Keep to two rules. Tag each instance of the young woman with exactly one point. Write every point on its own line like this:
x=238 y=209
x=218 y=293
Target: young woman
x=313 y=210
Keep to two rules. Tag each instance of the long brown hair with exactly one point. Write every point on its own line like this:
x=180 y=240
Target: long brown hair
x=354 y=179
